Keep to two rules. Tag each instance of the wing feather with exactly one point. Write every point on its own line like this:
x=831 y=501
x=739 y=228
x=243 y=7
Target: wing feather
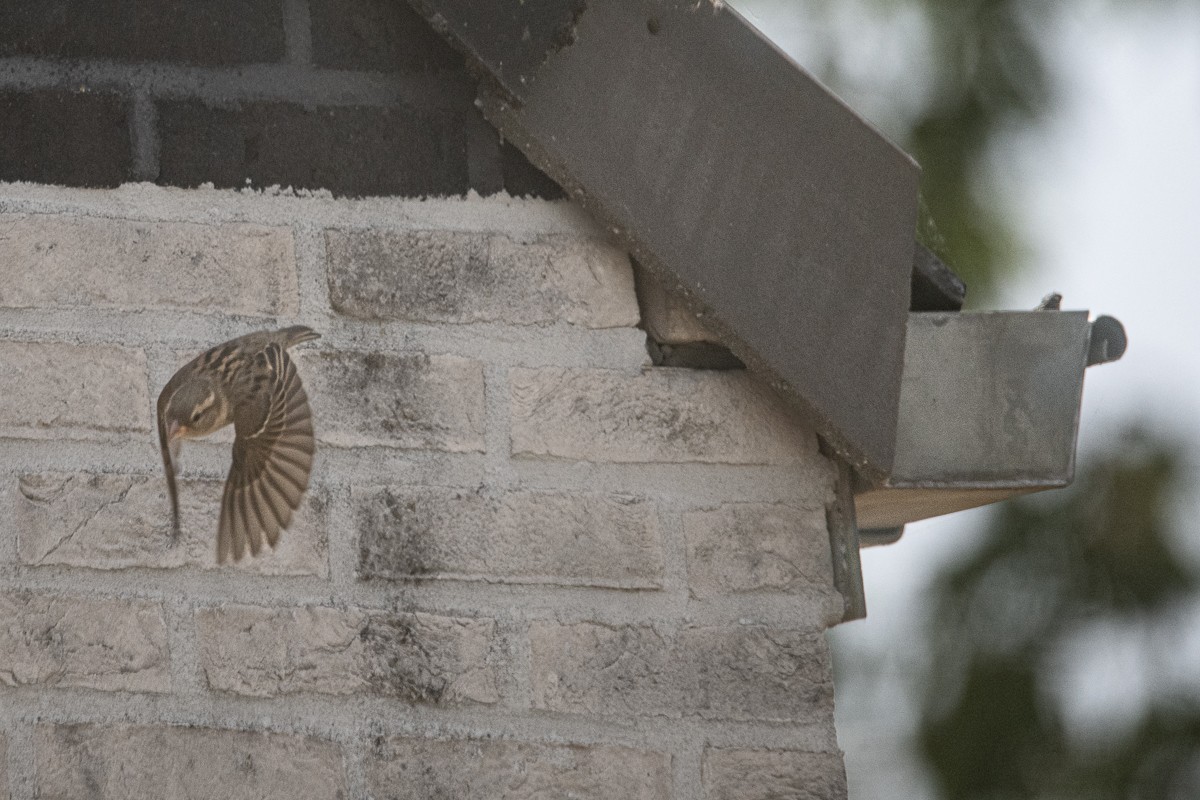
x=225 y=528
x=244 y=515
x=272 y=460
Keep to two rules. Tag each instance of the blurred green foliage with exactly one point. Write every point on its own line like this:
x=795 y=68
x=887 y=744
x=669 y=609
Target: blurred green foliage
x=973 y=73
x=991 y=725
x=1051 y=566
x=989 y=74
x=991 y=722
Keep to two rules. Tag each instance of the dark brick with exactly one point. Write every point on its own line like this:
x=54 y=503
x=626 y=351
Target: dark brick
x=349 y=150
x=379 y=35
x=523 y=179
x=72 y=138
x=210 y=32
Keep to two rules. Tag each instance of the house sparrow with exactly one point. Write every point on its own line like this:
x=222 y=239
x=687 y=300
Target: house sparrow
x=1051 y=302
x=251 y=382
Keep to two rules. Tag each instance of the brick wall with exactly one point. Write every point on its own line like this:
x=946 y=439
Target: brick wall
x=358 y=97
x=530 y=565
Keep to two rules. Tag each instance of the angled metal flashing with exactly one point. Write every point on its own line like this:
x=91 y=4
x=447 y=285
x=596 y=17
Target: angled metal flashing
x=729 y=172
x=935 y=287
x=989 y=409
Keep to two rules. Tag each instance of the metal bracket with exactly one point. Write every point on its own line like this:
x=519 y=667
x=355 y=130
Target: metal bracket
x=844 y=546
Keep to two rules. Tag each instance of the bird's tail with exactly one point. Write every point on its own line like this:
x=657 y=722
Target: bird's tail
x=297 y=334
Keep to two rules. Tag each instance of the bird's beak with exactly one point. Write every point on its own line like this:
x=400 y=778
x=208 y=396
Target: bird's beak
x=173 y=430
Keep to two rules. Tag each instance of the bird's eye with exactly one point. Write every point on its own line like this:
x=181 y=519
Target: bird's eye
x=196 y=415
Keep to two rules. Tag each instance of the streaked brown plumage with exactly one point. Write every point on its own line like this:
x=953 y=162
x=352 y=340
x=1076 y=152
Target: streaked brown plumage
x=250 y=382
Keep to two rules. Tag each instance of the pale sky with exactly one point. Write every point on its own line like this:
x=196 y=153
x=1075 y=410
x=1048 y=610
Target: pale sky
x=1108 y=195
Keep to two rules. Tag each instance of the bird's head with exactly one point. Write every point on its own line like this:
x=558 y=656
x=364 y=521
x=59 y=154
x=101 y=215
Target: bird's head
x=195 y=409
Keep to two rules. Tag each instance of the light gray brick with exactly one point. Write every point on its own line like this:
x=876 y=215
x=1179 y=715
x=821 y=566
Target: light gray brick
x=773 y=774
x=517 y=537
x=432 y=769
x=739 y=672
x=64 y=390
x=265 y=652
x=98 y=643
x=462 y=277
x=127 y=762
x=108 y=521
x=52 y=260
x=748 y=547
x=659 y=415
x=406 y=400
x=666 y=316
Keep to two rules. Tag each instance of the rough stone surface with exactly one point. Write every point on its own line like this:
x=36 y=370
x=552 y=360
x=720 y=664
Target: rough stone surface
x=425 y=658
x=57 y=260
x=454 y=277
x=773 y=775
x=519 y=537
x=736 y=672
x=63 y=390
x=125 y=762
x=757 y=548
x=667 y=318
x=120 y=521
x=430 y=769
x=92 y=642
x=4 y=795
x=408 y=400
x=663 y=415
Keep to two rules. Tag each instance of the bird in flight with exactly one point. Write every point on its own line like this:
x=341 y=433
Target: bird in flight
x=250 y=382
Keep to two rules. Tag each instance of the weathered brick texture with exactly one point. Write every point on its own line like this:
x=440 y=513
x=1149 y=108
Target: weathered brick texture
x=72 y=391
x=213 y=32
x=424 y=658
x=738 y=672
x=56 y=260
x=76 y=138
x=455 y=277
x=110 y=521
x=126 y=762
x=522 y=179
x=527 y=567
x=518 y=537
x=360 y=98
x=376 y=35
x=99 y=643
x=773 y=774
x=431 y=769
x=663 y=415
x=347 y=147
x=667 y=318
x=747 y=547
x=407 y=400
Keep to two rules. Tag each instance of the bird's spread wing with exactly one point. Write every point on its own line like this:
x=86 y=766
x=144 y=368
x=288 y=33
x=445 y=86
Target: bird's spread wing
x=272 y=457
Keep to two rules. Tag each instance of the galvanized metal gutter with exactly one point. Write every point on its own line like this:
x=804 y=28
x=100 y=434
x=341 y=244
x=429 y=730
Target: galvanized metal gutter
x=989 y=409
